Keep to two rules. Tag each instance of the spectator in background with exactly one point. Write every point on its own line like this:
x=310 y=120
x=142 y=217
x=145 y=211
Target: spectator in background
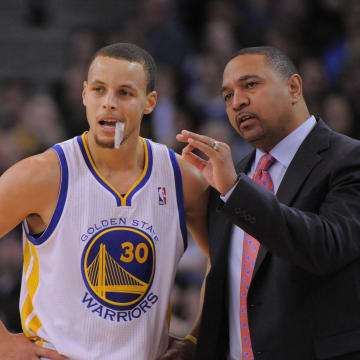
x=68 y=95
x=164 y=115
x=350 y=83
x=10 y=276
x=256 y=19
x=39 y=126
x=203 y=93
x=219 y=40
x=83 y=42
x=287 y=39
x=347 y=46
x=10 y=151
x=13 y=95
x=338 y=114
x=163 y=33
x=315 y=86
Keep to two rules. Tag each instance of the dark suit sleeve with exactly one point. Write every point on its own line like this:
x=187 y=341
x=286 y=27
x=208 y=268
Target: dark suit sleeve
x=320 y=231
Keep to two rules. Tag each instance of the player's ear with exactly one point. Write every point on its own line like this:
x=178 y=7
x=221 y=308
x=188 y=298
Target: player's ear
x=151 y=99
x=84 y=92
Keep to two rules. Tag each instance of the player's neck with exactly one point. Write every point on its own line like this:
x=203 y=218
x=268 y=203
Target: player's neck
x=130 y=156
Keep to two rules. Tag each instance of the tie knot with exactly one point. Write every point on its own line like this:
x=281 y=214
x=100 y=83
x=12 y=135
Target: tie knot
x=262 y=175
x=265 y=162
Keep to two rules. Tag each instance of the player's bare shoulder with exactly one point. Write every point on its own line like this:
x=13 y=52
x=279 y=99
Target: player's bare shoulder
x=31 y=186
x=45 y=169
x=39 y=173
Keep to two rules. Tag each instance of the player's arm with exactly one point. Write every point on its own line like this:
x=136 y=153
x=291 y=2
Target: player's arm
x=196 y=193
x=29 y=188
x=184 y=349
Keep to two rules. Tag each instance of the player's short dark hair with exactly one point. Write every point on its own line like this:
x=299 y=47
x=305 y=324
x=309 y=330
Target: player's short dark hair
x=131 y=53
x=273 y=56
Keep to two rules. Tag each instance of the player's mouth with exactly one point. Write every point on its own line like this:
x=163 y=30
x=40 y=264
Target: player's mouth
x=107 y=124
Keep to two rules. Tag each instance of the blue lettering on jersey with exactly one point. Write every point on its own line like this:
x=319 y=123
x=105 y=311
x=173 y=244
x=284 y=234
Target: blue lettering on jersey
x=120 y=316
x=106 y=223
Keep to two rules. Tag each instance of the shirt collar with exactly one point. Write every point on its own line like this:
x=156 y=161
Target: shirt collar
x=285 y=150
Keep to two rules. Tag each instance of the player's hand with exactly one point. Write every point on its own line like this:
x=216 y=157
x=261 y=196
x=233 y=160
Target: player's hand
x=19 y=347
x=219 y=170
x=179 y=349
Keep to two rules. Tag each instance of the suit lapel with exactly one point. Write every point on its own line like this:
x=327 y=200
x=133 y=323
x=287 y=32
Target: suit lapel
x=245 y=164
x=305 y=159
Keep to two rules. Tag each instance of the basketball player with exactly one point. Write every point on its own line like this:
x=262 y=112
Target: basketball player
x=104 y=228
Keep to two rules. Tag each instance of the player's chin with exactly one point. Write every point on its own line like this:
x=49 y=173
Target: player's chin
x=104 y=143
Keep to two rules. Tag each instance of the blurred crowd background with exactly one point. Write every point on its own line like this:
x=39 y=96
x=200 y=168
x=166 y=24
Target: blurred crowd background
x=45 y=46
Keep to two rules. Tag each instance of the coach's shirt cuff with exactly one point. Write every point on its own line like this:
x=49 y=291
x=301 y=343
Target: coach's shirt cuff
x=225 y=197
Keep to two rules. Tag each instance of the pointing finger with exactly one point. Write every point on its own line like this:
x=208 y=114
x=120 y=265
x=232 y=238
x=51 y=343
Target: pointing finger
x=186 y=135
x=208 y=149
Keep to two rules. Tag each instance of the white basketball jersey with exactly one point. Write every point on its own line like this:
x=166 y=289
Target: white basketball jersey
x=96 y=283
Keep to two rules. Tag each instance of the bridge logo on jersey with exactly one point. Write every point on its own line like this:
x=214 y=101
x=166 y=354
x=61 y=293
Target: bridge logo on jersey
x=118 y=266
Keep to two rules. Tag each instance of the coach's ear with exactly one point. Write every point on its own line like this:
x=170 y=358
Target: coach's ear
x=295 y=88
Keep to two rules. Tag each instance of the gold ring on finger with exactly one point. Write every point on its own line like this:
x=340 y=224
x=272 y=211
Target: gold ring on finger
x=216 y=145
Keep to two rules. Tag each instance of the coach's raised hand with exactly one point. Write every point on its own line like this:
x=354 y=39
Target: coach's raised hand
x=218 y=170
x=19 y=347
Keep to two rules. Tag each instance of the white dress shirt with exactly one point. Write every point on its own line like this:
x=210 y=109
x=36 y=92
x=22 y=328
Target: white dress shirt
x=283 y=152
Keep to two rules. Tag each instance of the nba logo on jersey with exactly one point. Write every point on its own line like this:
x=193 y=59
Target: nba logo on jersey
x=162 y=195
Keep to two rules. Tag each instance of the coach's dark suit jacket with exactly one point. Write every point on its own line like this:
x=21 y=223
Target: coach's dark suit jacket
x=304 y=299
